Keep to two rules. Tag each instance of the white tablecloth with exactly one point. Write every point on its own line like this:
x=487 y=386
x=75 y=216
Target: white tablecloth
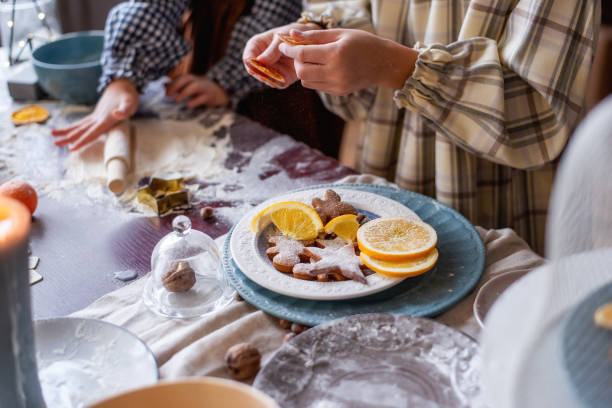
x=197 y=347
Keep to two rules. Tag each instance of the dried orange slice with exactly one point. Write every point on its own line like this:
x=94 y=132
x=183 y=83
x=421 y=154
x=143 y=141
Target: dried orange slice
x=30 y=114
x=603 y=316
x=396 y=238
x=261 y=77
x=294 y=219
x=288 y=39
x=402 y=269
x=265 y=70
x=344 y=226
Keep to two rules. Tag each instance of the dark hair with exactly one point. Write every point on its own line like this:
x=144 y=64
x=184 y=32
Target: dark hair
x=209 y=26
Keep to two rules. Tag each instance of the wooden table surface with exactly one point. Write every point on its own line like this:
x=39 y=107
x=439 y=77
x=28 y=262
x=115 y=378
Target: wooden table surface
x=81 y=245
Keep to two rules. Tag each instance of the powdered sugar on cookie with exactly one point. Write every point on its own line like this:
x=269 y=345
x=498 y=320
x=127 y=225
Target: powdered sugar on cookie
x=331 y=260
x=285 y=252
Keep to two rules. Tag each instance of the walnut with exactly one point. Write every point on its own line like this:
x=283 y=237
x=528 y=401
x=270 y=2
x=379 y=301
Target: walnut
x=179 y=277
x=285 y=324
x=298 y=328
x=206 y=212
x=242 y=361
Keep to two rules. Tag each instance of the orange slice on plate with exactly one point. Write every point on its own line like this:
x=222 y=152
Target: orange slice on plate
x=30 y=114
x=293 y=219
x=402 y=269
x=396 y=238
x=265 y=70
x=344 y=226
x=288 y=39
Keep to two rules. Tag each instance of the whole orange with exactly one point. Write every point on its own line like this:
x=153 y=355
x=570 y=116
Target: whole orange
x=21 y=191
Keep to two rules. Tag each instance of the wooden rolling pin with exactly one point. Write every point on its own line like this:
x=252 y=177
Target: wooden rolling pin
x=117 y=156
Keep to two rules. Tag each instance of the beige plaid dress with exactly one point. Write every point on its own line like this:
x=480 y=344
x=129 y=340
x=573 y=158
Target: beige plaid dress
x=497 y=90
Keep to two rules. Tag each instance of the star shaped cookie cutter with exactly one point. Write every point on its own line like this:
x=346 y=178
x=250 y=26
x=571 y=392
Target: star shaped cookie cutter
x=164 y=195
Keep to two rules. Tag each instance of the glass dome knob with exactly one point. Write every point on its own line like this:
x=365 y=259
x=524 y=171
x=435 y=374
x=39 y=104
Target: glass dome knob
x=181 y=225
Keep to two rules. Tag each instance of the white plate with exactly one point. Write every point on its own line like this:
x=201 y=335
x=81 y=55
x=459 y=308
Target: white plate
x=81 y=361
x=491 y=291
x=521 y=341
x=250 y=256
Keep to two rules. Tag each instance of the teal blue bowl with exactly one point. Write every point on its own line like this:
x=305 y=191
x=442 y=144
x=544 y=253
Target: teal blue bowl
x=68 y=68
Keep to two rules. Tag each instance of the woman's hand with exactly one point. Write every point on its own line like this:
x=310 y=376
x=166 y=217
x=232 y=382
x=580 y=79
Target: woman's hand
x=200 y=90
x=345 y=61
x=118 y=102
x=265 y=48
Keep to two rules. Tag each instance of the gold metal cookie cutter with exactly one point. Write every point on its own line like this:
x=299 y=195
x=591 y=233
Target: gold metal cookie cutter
x=164 y=195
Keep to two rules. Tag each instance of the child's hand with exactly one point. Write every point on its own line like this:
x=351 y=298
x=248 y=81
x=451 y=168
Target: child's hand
x=118 y=102
x=200 y=90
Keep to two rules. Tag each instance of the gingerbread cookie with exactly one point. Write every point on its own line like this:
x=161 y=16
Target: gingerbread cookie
x=362 y=218
x=334 y=243
x=285 y=252
x=332 y=206
x=330 y=277
x=331 y=243
x=328 y=261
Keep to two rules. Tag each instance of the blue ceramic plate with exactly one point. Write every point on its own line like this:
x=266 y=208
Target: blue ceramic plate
x=460 y=265
x=586 y=351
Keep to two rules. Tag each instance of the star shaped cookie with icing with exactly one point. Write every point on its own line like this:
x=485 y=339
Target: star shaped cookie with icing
x=329 y=260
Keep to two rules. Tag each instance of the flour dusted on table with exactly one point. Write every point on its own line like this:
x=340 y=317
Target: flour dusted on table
x=161 y=148
x=259 y=166
x=192 y=145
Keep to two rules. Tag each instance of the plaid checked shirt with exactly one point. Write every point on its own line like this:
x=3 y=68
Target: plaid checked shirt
x=497 y=90
x=142 y=42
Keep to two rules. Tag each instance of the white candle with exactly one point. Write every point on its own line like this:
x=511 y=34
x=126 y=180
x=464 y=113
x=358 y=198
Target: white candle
x=14 y=223
x=19 y=386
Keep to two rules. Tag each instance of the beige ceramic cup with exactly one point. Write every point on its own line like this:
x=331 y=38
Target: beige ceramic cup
x=206 y=392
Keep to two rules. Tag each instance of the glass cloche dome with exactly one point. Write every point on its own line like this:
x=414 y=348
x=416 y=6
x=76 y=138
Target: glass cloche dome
x=186 y=278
